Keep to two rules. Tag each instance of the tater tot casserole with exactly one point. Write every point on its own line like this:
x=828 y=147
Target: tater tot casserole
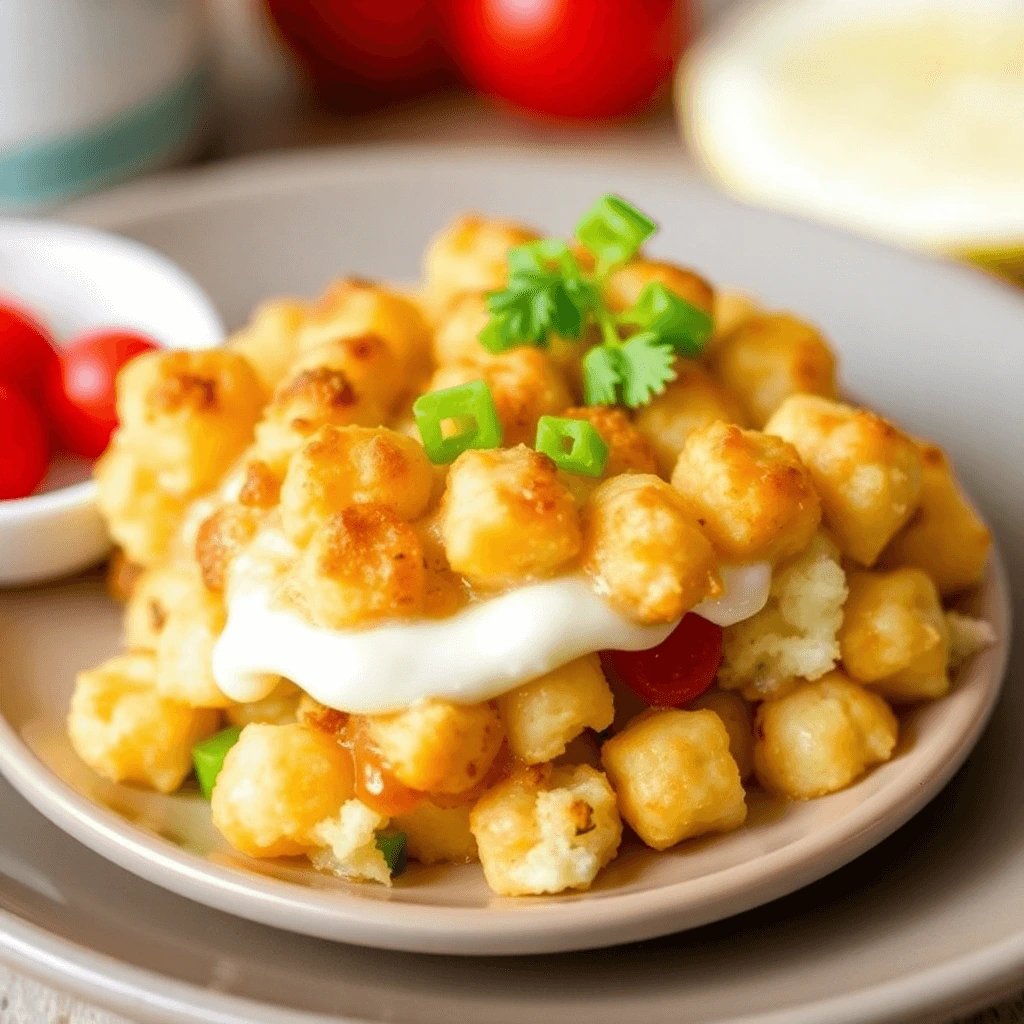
x=560 y=549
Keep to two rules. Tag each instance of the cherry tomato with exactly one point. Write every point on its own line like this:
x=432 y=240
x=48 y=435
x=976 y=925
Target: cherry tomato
x=24 y=446
x=675 y=672
x=80 y=397
x=26 y=353
x=358 y=52
x=579 y=59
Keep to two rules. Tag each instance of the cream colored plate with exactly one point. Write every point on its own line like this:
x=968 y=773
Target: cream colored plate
x=289 y=227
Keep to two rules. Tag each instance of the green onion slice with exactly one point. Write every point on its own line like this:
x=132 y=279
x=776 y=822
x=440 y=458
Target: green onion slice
x=208 y=757
x=614 y=231
x=573 y=445
x=394 y=849
x=452 y=420
x=675 y=321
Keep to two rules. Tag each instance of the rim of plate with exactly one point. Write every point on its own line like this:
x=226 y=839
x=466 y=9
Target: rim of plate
x=531 y=927
x=536 y=927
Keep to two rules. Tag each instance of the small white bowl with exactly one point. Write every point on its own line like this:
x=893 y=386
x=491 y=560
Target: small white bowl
x=79 y=279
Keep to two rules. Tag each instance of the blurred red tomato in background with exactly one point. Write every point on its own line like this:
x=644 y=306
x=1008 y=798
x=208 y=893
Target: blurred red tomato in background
x=362 y=52
x=575 y=59
x=579 y=59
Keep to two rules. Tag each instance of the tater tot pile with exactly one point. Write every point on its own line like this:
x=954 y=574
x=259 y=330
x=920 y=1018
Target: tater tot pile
x=294 y=460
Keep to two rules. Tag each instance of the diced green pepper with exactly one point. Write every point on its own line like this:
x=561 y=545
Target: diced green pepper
x=208 y=757
x=614 y=231
x=674 y=320
x=467 y=411
x=394 y=849
x=573 y=445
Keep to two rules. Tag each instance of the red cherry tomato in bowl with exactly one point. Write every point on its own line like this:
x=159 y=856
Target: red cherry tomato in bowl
x=24 y=446
x=80 y=398
x=675 y=672
x=578 y=59
x=27 y=356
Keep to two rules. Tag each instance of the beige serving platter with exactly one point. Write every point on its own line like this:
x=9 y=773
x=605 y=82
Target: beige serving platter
x=931 y=918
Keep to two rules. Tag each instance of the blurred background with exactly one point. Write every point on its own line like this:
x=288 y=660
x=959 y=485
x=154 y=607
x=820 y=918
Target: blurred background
x=903 y=119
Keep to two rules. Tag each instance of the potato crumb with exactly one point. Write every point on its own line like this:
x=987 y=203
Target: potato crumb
x=967 y=636
x=348 y=845
x=794 y=635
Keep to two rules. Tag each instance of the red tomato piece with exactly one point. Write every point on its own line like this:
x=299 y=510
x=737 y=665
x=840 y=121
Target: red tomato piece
x=80 y=399
x=24 y=446
x=578 y=59
x=27 y=356
x=360 y=52
x=675 y=672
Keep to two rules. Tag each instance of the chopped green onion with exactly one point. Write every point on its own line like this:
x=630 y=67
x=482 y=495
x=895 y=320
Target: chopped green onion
x=675 y=321
x=395 y=854
x=573 y=445
x=208 y=757
x=452 y=420
x=614 y=231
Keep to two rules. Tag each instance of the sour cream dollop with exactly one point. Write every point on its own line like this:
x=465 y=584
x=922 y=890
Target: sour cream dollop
x=480 y=652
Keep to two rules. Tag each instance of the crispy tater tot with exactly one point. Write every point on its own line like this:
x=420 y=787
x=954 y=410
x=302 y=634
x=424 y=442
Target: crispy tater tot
x=749 y=491
x=188 y=415
x=123 y=728
x=546 y=829
x=470 y=254
x=343 y=466
x=821 y=737
x=506 y=518
x=355 y=308
x=946 y=537
x=645 y=551
x=624 y=286
x=867 y=473
x=771 y=356
x=694 y=399
x=269 y=341
x=277 y=784
x=363 y=564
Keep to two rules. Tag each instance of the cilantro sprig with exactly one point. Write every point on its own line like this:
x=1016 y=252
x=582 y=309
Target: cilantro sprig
x=549 y=293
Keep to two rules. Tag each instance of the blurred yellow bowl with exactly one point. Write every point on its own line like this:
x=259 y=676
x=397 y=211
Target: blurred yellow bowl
x=899 y=118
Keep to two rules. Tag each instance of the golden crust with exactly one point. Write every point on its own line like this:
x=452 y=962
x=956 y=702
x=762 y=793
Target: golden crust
x=694 y=399
x=644 y=549
x=362 y=565
x=945 y=537
x=506 y=517
x=867 y=473
x=339 y=467
x=769 y=357
x=749 y=491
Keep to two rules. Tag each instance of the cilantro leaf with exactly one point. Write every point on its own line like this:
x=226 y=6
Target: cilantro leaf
x=546 y=293
x=601 y=375
x=675 y=321
x=645 y=367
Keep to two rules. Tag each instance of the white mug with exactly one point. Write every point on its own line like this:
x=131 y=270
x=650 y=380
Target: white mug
x=92 y=91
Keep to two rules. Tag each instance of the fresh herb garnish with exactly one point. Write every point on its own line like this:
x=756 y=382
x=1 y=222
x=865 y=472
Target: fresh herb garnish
x=549 y=293
x=574 y=446
x=393 y=847
x=454 y=419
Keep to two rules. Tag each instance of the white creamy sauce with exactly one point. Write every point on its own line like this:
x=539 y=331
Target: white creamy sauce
x=480 y=652
x=745 y=593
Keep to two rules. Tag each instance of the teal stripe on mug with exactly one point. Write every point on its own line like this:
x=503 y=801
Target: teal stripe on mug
x=47 y=171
